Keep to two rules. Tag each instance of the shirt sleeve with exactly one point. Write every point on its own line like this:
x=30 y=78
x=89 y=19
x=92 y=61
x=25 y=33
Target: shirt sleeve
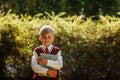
x=58 y=64
x=37 y=67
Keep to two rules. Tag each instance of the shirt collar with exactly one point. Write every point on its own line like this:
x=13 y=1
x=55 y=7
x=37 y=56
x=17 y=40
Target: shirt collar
x=49 y=47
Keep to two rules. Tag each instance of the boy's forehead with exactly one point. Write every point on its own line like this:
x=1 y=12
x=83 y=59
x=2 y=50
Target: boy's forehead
x=47 y=34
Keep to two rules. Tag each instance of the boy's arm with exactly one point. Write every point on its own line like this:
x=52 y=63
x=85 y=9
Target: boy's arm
x=35 y=66
x=58 y=64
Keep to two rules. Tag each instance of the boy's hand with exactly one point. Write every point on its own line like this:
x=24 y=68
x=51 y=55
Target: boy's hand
x=52 y=73
x=41 y=60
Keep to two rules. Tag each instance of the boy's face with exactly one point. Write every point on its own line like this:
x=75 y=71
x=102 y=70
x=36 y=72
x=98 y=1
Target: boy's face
x=47 y=39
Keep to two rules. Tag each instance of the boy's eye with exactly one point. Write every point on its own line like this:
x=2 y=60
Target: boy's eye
x=47 y=37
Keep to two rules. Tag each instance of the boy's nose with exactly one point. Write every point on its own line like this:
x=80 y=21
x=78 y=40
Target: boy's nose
x=46 y=38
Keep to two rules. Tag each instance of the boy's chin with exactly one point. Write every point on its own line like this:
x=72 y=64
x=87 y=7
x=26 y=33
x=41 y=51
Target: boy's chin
x=46 y=44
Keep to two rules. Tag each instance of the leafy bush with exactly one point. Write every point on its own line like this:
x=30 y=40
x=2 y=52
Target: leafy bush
x=90 y=48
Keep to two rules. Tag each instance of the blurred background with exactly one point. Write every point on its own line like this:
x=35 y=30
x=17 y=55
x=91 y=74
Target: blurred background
x=71 y=7
x=87 y=31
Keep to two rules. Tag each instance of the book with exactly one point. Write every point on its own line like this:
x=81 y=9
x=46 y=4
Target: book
x=49 y=57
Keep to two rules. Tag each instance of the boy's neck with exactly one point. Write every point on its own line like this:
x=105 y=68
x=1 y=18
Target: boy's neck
x=46 y=46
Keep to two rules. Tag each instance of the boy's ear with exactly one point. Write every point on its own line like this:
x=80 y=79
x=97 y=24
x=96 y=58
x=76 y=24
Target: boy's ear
x=54 y=38
x=40 y=38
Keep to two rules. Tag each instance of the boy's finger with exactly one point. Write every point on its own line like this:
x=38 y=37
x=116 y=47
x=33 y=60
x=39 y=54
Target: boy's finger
x=41 y=57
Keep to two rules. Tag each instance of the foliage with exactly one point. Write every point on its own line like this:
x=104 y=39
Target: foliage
x=90 y=49
x=71 y=7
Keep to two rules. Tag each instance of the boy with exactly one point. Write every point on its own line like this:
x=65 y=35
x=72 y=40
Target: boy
x=46 y=60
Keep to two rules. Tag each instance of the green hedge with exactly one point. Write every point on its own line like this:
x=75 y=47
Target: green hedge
x=90 y=49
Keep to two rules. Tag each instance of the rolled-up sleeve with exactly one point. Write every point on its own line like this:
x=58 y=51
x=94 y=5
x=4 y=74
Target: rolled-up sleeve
x=37 y=68
x=58 y=64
